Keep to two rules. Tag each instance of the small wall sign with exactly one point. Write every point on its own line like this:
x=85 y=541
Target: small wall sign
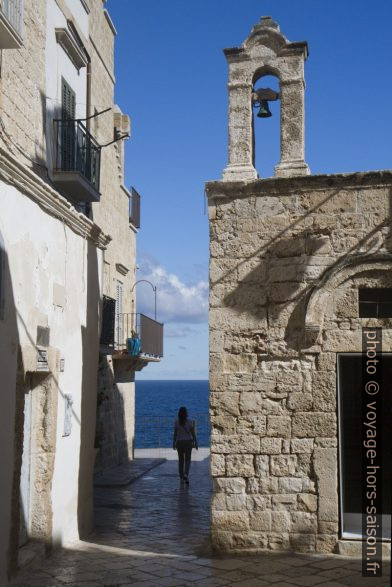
x=42 y=360
x=68 y=402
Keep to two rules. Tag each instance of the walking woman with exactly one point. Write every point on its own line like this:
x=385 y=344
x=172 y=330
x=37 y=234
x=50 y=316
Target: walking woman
x=184 y=439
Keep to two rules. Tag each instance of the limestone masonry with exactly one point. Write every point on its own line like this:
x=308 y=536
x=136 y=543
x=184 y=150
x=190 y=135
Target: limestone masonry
x=288 y=256
x=68 y=228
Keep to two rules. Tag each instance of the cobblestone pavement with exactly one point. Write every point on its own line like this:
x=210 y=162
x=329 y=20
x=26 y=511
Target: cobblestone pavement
x=155 y=532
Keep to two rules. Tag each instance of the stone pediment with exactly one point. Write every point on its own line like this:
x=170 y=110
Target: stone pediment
x=266 y=33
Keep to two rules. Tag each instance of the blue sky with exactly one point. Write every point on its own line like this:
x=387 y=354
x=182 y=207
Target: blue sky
x=171 y=78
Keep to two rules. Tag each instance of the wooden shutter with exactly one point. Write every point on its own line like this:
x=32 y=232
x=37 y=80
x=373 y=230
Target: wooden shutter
x=119 y=315
x=119 y=297
x=134 y=216
x=68 y=100
x=68 y=133
x=108 y=318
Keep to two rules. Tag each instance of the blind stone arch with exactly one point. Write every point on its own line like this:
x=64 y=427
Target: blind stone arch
x=320 y=297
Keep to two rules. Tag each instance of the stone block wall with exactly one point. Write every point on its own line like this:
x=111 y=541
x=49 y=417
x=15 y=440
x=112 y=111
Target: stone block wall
x=287 y=257
x=22 y=87
x=115 y=417
x=112 y=212
x=115 y=391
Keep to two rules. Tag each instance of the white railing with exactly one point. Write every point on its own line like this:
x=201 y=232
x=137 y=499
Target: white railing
x=13 y=11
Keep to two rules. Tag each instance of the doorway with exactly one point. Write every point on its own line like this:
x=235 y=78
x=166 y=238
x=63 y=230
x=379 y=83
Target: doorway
x=25 y=472
x=36 y=431
x=349 y=368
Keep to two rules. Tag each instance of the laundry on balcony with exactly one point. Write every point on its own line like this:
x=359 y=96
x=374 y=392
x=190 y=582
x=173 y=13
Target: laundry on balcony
x=134 y=345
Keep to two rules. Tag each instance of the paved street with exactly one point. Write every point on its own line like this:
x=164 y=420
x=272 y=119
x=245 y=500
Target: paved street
x=154 y=532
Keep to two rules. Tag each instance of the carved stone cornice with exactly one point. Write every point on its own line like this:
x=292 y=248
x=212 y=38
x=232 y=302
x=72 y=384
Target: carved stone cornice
x=25 y=180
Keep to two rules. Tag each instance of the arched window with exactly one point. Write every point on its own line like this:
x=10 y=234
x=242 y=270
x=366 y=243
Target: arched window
x=266 y=124
x=264 y=53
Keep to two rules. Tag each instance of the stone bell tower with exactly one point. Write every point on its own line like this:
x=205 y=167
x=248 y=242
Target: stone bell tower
x=266 y=52
x=299 y=264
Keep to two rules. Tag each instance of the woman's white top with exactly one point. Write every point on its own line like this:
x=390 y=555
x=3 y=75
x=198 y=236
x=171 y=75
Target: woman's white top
x=184 y=432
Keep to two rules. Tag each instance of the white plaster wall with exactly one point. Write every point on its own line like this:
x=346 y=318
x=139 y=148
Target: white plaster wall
x=80 y=15
x=58 y=65
x=43 y=252
x=8 y=364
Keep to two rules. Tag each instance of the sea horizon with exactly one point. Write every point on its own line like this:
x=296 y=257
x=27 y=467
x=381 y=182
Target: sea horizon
x=157 y=402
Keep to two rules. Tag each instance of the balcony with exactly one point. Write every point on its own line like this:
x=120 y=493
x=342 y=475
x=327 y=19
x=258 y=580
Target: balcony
x=132 y=338
x=134 y=208
x=77 y=161
x=11 y=24
x=139 y=339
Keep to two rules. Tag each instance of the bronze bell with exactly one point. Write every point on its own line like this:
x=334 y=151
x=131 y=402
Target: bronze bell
x=264 y=111
x=261 y=97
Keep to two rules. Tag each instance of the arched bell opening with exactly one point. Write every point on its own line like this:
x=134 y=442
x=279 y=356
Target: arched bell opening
x=266 y=123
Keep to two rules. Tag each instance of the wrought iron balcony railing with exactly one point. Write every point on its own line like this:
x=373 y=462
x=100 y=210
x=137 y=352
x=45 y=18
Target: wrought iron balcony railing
x=140 y=335
x=11 y=24
x=77 y=160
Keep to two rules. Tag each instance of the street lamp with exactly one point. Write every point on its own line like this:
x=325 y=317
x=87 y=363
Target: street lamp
x=154 y=288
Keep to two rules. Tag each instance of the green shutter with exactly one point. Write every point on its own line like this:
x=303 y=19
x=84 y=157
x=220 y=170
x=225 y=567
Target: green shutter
x=68 y=100
x=68 y=103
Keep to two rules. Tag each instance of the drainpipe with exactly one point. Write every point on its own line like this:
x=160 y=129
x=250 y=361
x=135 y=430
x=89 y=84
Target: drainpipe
x=88 y=94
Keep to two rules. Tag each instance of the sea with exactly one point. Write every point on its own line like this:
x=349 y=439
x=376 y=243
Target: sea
x=157 y=405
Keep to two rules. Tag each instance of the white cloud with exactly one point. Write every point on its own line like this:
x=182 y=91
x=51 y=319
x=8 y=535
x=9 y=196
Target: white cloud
x=179 y=331
x=176 y=300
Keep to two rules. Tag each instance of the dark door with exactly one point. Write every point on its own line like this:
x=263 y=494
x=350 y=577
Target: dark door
x=350 y=417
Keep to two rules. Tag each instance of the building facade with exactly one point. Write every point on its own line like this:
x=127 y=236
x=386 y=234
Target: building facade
x=68 y=233
x=299 y=265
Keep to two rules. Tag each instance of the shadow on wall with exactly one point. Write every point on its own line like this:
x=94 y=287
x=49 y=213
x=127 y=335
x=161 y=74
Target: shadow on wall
x=27 y=439
x=90 y=350
x=97 y=377
x=27 y=436
x=10 y=361
x=111 y=431
x=283 y=275
x=114 y=440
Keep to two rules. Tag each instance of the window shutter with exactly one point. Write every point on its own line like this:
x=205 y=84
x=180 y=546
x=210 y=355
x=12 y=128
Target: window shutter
x=119 y=315
x=134 y=216
x=68 y=103
x=108 y=320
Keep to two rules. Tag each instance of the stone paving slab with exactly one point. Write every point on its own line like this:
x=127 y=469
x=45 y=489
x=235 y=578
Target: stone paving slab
x=170 y=454
x=155 y=532
x=123 y=475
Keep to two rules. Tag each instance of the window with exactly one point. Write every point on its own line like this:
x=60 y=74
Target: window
x=68 y=100
x=68 y=103
x=119 y=338
x=134 y=208
x=375 y=302
x=11 y=24
x=108 y=319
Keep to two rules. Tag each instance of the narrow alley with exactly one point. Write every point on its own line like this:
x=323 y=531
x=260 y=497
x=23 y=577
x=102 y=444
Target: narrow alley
x=154 y=532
